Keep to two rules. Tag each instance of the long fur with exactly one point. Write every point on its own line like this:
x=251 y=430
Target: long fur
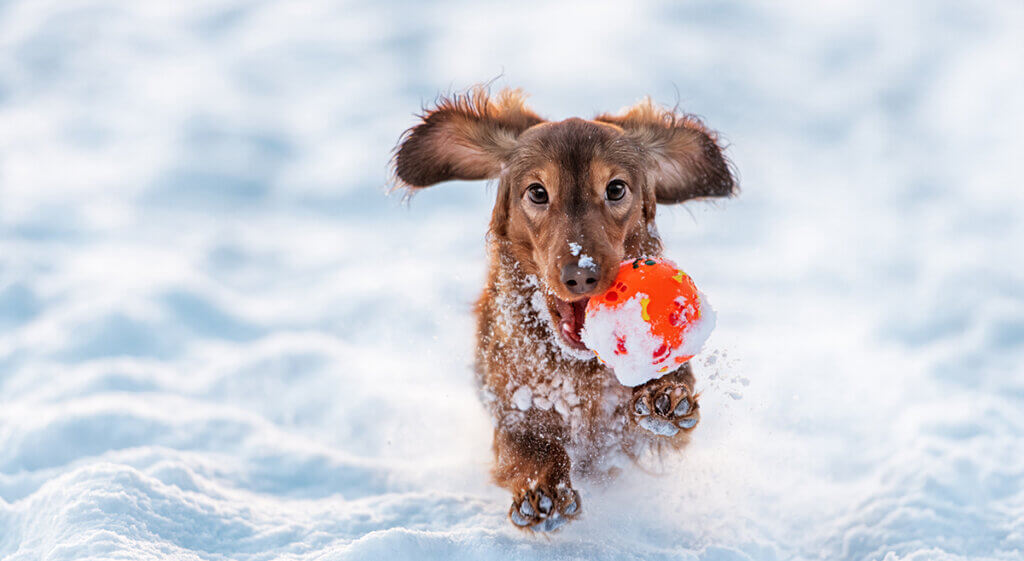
x=558 y=412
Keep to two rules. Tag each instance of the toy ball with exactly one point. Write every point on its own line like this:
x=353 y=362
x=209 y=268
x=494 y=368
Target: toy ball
x=649 y=322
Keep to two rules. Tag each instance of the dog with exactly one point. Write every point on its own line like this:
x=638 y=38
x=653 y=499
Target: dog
x=565 y=189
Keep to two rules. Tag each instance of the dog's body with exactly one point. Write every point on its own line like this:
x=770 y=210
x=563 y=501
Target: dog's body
x=575 y=198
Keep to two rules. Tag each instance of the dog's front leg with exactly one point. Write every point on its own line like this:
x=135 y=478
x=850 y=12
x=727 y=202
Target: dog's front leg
x=667 y=405
x=535 y=469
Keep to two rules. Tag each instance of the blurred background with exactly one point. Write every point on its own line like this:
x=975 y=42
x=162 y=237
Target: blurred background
x=220 y=339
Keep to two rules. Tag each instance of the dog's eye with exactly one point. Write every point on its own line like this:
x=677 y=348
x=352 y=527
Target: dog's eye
x=537 y=193
x=616 y=190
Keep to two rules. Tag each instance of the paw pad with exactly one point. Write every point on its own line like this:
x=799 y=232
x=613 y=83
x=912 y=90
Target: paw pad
x=544 y=511
x=665 y=408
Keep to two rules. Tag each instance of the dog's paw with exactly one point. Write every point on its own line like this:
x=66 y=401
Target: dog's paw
x=665 y=407
x=544 y=510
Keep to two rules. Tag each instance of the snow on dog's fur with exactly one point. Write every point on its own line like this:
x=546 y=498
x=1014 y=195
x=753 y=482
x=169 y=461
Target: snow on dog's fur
x=566 y=187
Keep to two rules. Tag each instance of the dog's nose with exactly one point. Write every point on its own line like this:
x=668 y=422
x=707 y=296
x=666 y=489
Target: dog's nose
x=580 y=279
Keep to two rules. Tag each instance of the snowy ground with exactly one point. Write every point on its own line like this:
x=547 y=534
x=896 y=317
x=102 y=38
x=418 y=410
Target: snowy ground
x=220 y=340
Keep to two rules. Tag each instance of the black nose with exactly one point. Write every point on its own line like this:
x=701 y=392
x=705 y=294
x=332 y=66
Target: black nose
x=580 y=279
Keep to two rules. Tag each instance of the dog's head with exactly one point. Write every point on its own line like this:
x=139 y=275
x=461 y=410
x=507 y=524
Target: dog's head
x=575 y=197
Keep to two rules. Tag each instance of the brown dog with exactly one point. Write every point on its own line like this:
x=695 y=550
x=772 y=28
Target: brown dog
x=575 y=198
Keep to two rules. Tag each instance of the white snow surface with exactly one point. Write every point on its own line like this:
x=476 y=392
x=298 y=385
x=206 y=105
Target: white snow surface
x=220 y=340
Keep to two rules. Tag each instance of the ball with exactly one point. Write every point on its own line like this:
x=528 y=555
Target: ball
x=649 y=322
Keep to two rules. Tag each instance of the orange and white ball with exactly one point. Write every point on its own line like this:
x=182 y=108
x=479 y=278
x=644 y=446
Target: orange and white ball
x=649 y=322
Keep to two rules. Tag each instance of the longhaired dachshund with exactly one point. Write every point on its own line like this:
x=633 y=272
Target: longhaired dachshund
x=565 y=189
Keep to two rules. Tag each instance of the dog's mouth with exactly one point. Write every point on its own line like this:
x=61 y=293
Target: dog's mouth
x=571 y=317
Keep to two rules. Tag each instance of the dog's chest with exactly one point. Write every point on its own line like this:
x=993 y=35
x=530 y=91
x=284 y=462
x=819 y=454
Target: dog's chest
x=529 y=376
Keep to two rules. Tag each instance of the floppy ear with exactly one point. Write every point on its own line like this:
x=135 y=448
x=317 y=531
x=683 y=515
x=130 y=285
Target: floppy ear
x=464 y=137
x=686 y=160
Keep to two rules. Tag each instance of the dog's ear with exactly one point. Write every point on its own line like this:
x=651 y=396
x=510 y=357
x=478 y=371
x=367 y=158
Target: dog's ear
x=464 y=137
x=686 y=160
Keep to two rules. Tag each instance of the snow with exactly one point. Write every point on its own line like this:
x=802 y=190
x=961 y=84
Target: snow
x=585 y=261
x=607 y=327
x=604 y=326
x=522 y=398
x=698 y=331
x=220 y=340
